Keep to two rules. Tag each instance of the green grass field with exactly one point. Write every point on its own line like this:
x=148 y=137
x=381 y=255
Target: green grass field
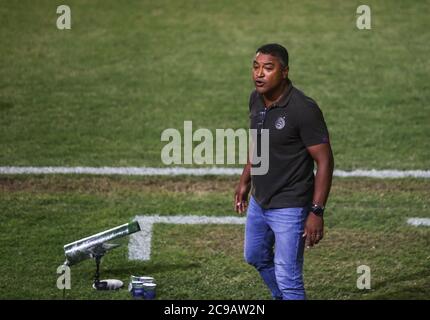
x=101 y=93
x=365 y=225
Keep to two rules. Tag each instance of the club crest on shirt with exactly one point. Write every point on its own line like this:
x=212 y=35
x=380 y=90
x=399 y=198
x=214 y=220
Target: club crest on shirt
x=280 y=123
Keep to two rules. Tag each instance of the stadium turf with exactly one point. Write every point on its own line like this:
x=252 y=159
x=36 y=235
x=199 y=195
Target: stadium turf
x=365 y=225
x=101 y=93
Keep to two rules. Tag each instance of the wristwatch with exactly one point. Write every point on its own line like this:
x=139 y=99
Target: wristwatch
x=317 y=210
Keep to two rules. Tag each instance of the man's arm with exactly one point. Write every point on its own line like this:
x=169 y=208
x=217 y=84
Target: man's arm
x=242 y=189
x=323 y=156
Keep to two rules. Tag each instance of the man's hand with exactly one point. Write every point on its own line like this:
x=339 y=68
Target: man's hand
x=241 y=197
x=314 y=229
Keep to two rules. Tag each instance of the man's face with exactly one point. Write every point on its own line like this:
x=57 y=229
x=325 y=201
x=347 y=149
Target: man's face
x=267 y=73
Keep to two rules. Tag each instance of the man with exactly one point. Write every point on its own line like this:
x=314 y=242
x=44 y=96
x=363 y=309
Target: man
x=285 y=211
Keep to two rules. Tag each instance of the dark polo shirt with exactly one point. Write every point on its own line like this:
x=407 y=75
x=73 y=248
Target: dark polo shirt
x=295 y=122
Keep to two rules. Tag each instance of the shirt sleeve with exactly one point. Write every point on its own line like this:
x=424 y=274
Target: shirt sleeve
x=251 y=100
x=251 y=115
x=312 y=127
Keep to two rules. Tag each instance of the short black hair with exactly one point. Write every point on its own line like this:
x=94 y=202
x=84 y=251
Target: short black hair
x=275 y=50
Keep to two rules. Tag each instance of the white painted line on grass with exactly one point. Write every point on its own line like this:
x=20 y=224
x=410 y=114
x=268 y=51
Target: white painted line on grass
x=139 y=247
x=383 y=173
x=129 y=171
x=419 y=222
x=174 y=171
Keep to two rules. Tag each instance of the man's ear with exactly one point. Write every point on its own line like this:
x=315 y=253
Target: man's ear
x=285 y=72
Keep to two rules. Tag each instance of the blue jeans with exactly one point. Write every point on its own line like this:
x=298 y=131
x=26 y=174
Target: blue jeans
x=281 y=268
